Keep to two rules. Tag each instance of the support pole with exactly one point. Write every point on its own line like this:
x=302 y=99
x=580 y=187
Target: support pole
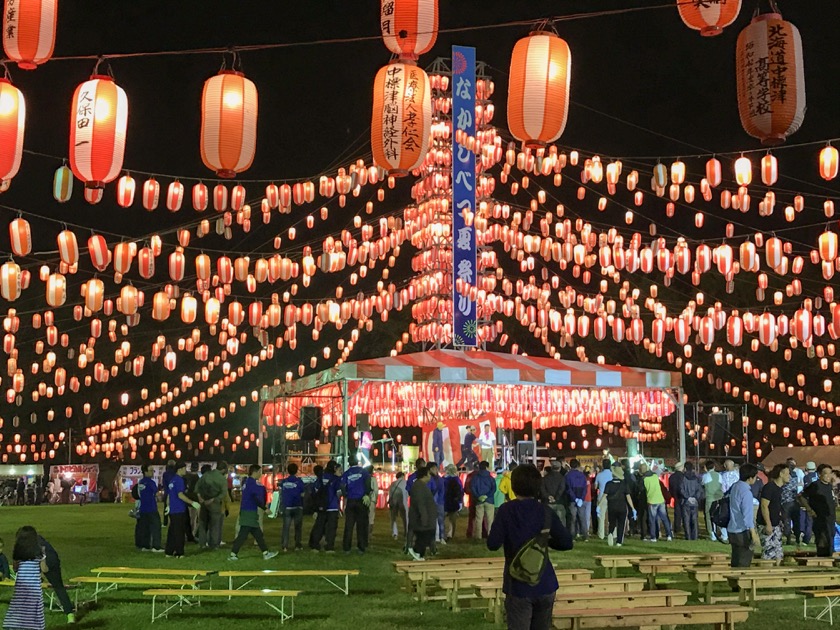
x=681 y=422
x=345 y=421
x=260 y=414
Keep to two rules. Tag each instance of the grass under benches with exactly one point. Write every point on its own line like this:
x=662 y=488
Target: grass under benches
x=102 y=535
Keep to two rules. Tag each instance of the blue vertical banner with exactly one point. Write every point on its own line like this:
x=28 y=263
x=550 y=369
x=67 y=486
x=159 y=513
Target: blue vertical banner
x=464 y=265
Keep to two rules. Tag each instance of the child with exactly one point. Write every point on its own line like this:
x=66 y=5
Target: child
x=26 y=610
x=253 y=499
x=5 y=571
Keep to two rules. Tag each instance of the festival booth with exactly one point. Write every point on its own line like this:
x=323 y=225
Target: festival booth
x=129 y=474
x=461 y=388
x=10 y=475
x=66 y=482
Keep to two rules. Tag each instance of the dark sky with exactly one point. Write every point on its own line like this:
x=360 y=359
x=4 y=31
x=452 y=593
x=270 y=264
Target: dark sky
x=630 y=72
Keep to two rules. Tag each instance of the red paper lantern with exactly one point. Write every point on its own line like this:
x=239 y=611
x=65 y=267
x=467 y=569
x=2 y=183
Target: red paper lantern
x=199 y=197
x=151 y=194
x=126 y=187
x=538 y=96
x=56 y=290
x=12 y=124
x=20 y=236
x=828 y=163
x=228 y=123
x=146 y=262
x=710 y=18
x=98 y=121
x=10 y=281
x=174 y=196
x=100 y=255
x=177 y=264
x=29 y=31
x=409 y=27
x=68 y=247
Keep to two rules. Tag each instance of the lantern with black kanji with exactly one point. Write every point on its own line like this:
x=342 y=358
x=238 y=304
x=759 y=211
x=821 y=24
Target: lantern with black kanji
x=770 y=79
x=409 y=27
x=98 y=120
x=538 y=97
x=228 y=123
x=402 y=118
x=29 y=31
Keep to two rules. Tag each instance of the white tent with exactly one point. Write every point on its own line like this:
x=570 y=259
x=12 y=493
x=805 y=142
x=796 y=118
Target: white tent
x=802 y=454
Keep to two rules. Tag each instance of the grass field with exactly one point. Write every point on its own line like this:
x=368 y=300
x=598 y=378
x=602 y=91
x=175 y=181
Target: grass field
x=97 y=535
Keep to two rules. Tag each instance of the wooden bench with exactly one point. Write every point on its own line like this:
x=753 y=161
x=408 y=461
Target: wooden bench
x=611 y=563
x=112 y=583
x=809 y=561
x=708 y=577
x=642 y=599
x=491 y=591
x=404 y=567
x=186 y=598
x=449 y=580
x=832 y=599
x=326 y=575
x=653 y=568
x=170 y=573
x=722 y=617
x=750 y=583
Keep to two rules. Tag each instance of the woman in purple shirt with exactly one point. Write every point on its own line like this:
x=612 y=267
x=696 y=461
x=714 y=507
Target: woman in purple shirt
x=516 y=523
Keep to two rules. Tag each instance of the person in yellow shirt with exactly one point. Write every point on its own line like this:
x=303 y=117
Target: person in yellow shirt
x=504 y=484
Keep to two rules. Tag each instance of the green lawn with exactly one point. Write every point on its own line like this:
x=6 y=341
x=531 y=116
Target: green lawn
x=97 y=535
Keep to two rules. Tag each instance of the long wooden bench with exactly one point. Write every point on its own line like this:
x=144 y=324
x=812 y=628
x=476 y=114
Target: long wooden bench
x=831 y=597
x=169 y=573
x=186 y=598
x=449 y=579
x=612 y=563
x=326 y=574
x=722 y=617
x=813 y=561
x=750 y=583
x=707 y=577
x=642 y=599
x=112 y=583
x=653 y=568
x=491 y=591
x=404 y=567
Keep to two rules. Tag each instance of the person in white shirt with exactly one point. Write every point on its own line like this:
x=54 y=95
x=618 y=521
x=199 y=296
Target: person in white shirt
x=601 y=481
x=729 y=477
x=487 y=444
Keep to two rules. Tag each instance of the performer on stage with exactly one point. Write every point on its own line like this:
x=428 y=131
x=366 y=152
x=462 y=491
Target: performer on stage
x=437 y=443
x=487 y=443
x=468 y=457
x=365 y=444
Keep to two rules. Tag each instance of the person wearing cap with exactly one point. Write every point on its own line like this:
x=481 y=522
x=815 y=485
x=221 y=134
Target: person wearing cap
x=176 y=535
x=806 y=523
x=674 y=487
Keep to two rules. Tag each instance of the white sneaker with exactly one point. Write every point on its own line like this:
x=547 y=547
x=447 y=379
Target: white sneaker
x=670 y=539
x=618 y=544
x=414 y=555
x=233 y=556
x=441 y=542
x=268 y=555
x=610 y=539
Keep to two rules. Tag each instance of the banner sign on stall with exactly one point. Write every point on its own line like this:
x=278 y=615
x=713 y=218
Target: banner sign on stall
x=464 y=265
x=67 y=480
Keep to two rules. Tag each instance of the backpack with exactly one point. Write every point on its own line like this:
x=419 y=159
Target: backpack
x=719 y=511
x=529 y=563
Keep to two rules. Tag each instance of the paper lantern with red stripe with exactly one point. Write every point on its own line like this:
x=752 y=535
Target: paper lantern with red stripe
x=538 y=96
x=100 y=255
x=174 y=196
x=146 y=262
x=94 y=293
x=56 y=290
x=123 y=257
x=177 y=264
x=409 y=27
x=20 y=237
x=220 y=198
x=68 y=247
x=98 y=120
x=161 y=306
x=828 y=163
x=12 y=123
x=237 y=197
x=62 y=184
x=10 y=281
x=29 y=31
x=94 y=195
x=770 y=79
x=710 y=18
x=402 y=118
x=151 y=194
x=228 y=123
x=199 y=197
x=126 y=187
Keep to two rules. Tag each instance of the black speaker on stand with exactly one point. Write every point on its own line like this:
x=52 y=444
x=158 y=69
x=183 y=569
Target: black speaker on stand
x=719 y=431
x=310 y=424
x=362 y=422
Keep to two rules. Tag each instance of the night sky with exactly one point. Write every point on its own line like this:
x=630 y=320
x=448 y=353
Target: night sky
x=643 y=85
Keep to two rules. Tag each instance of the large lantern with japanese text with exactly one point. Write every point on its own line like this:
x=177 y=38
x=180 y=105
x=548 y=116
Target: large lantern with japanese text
x=12 y=122
x=228 y=123
x=771 y=79
x=29 y=31
x=710 y=18
x=538 y=96
x=98 y=120
x=409 y=27
x=402 y=118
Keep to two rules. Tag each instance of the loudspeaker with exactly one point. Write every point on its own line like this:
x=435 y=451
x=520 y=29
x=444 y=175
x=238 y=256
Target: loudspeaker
x=719 y=429
x=525 y=451
x=362 y=422
x=635 y=423
x=310 y=423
